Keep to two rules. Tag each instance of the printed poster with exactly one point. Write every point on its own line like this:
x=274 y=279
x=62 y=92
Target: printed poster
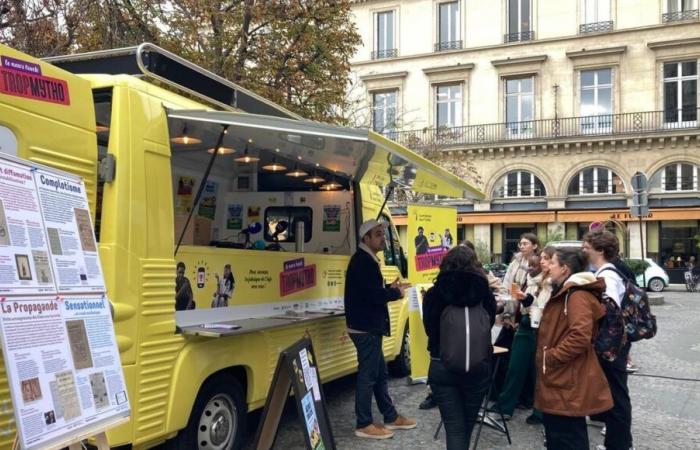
x=63 y=366
x=432 y=231
x=69 y=231
x=312 y=427
x=234 y=218
x=25 y=268
x=207 y=204
x=184 y=195
x=420 y=358
x=331 y=217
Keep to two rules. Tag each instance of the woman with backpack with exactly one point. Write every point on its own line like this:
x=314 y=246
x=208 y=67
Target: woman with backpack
x=570 y=382
x=460 y=290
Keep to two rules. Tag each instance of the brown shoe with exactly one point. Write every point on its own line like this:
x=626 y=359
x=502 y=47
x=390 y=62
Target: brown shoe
x=401 y=423
x=373 y=431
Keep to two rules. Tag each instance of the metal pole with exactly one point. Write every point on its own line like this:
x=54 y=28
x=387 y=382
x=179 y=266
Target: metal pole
x=641 y=240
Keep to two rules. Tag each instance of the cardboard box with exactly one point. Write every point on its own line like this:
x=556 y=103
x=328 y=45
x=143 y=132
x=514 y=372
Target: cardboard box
x=198 y=231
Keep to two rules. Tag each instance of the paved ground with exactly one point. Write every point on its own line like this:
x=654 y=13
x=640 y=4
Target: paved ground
x=666 y=412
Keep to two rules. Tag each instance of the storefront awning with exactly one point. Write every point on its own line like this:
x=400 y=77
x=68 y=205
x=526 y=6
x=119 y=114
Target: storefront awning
x=354 y=154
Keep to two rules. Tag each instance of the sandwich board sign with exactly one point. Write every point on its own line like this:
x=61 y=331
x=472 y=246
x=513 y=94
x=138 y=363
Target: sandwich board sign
x=58 y=344
x=297 y=371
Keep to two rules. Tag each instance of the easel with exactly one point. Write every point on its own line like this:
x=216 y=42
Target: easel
x=75 y=443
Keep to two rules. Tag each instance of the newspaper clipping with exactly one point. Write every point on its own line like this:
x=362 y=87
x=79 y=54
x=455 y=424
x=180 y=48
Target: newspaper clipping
x=63 y=365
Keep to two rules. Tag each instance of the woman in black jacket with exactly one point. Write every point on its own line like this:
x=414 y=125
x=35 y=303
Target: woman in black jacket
x=461 y=282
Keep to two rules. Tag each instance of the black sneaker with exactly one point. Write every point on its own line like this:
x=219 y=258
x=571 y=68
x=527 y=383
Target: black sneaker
x=533 y=420
x=428 y=403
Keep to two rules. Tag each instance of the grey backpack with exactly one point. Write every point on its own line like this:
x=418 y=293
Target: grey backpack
x=465 y=337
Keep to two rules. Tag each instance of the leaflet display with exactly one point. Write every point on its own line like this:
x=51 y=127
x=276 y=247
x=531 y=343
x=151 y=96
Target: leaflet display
x=25 y=268
x=69 y=232
x=63 y=366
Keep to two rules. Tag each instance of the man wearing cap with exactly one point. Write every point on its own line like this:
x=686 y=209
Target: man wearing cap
x=367 y=318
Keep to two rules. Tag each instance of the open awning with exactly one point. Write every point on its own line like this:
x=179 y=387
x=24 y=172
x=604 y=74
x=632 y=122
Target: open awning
x=353 y=154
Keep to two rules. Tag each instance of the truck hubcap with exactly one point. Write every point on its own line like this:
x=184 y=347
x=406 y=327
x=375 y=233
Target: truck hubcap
x=217 y=426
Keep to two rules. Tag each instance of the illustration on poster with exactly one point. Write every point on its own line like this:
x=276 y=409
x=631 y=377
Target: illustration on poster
x=224 y=288
x=24 y=272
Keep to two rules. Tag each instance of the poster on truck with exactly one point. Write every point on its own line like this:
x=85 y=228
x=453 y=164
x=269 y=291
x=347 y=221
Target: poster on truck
x=69 y=231
x=63 y=366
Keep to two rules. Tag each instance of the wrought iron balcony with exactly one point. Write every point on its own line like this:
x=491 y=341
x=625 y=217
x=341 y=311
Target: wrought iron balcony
x=448 y=45
x=626 y=124
x=596 y=27
x=519 y=37
x=388 y=53
x=677 y=16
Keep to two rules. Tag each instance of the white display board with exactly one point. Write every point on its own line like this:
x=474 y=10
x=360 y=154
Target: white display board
x=58 y=341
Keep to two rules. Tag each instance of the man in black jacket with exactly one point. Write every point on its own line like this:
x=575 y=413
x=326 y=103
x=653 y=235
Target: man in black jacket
x=367 y=318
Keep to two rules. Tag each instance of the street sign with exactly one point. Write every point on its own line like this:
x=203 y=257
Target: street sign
x=639 y=182
x=639 y=211
x=640 y=199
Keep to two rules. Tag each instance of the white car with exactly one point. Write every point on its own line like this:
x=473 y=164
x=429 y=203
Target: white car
x=656 y=277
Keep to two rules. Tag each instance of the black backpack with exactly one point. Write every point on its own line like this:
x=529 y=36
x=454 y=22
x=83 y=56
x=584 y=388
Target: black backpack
x=640 y=323
x=465 y=337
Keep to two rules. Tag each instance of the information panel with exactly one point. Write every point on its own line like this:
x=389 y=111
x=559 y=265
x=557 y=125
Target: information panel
x=69 y=229
x=24 y=256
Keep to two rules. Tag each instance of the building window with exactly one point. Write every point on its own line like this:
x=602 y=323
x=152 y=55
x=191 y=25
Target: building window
x=281 y=223
x=519 y=21
x=676 y=177
x=596 y=100
x=680 y=93
x=678 y=245
x=385 y=44
x=448 y=106
x=595 y=16
x=596 y=181
x=680 y=10
x=520 y=106
x=519 y=184
x=384 y=111
x=449 y=36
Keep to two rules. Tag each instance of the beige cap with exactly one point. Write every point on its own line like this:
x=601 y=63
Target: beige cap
x=369 y=225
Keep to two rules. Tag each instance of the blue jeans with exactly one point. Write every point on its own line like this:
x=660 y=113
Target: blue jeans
x=372 y=378
x=459 y=398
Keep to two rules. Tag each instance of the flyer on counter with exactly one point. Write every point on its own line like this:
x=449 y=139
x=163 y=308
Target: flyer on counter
x=63 y=366
x=69 y=231
x=25 y=267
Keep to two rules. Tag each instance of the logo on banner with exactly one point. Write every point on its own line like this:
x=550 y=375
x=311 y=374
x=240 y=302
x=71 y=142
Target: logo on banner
x=24 y=79
x=297 y=276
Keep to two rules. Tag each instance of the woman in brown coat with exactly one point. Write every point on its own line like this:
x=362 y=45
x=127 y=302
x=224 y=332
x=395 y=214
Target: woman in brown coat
x=570 y=383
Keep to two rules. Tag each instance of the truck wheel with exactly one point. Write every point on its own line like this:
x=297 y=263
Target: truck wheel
x=401 y=366
x=656 y=285
x=218 y=418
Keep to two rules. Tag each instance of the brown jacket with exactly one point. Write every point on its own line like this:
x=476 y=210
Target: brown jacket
x=570 y=381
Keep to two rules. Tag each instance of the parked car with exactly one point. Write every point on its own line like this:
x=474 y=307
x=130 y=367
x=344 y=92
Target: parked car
x=656 y=277
x=498 y=269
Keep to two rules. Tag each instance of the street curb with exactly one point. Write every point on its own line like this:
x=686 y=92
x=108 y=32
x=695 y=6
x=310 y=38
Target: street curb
x=656 y=299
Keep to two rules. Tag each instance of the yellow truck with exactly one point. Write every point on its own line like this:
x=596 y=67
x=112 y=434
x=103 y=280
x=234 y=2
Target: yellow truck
x=260 y=206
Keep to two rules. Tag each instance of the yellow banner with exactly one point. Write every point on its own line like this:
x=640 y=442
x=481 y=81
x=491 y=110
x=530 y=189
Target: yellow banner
x=432 y=231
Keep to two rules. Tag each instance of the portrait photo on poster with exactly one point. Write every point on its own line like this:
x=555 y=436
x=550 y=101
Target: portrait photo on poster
x=24 y=272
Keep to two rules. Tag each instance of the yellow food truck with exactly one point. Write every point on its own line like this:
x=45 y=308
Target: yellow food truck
x=261 y=207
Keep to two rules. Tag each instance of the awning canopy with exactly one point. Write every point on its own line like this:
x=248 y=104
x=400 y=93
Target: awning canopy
x=353 y=154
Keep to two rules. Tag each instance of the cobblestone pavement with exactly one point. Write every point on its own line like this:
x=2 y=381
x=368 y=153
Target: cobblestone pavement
x=666 y=412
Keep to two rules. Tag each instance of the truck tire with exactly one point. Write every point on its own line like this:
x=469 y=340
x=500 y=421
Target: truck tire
x=401 y=366
x=218 y=418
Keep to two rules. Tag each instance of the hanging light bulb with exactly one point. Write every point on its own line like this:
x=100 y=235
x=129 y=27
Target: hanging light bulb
x=297 y=172
x=185 y=139
x=222 y=150
x=274 y=166
x=246 y=158
x=315 y=179
x=332 y=186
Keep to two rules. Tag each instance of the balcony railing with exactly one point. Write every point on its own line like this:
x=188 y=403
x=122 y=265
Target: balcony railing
x=519 y=37
x=448 y=45
x=597 y=27
x=550 y=129
x=680 y=15
x=388 y=53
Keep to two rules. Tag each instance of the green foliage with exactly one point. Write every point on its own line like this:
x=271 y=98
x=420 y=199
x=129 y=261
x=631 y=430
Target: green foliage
x=637 y=266
x=553 y=237
x=482 y=251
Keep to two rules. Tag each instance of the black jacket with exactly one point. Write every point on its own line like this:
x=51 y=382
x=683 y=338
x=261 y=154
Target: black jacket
x=366 y=295
x=458 y=289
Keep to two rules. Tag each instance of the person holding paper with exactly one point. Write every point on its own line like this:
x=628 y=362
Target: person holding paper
x=367 y=319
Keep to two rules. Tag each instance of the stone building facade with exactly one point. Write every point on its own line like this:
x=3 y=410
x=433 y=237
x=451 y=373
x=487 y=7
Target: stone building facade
x=557 y=104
